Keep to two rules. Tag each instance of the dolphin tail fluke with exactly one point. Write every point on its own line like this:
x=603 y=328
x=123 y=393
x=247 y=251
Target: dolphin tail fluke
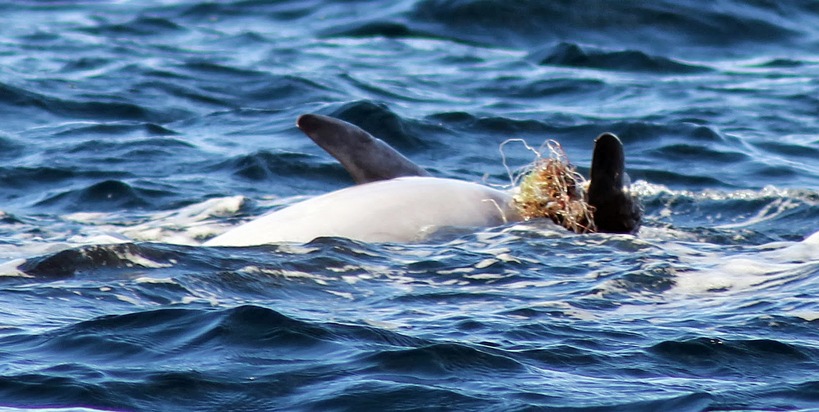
x=366 y=158
x=616 y=210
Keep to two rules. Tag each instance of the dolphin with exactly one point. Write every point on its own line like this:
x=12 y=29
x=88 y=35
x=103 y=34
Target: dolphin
x=616 y=210
x=396 y=200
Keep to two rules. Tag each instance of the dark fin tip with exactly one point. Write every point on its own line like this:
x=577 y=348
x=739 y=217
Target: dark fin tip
x=608 y=142
x=308 y=123
x=608 y=159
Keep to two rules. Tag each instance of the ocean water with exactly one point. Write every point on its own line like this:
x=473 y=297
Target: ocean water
x=131 y=131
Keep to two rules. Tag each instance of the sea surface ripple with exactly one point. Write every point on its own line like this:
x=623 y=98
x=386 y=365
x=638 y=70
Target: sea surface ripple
x=131 y=131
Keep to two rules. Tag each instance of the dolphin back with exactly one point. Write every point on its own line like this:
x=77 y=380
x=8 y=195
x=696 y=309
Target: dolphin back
x=406 y=209
x=366 y=158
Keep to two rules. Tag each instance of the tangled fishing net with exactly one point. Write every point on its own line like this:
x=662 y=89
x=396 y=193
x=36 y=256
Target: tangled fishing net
x=552 y=188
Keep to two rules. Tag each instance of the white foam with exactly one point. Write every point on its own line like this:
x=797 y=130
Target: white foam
x=9 y=269
x=767 y=213
x=149 y=280
x=769 y=265
x=646 y=189
x=186 y=226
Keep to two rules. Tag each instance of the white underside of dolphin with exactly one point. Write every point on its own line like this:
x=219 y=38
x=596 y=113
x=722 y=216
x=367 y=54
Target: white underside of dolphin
x=405 y=209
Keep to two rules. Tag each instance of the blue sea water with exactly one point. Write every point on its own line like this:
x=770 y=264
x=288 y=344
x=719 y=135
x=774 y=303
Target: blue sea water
x=131 y=131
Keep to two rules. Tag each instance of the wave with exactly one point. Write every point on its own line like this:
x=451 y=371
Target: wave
x=377 y=119
x=666 y=23
x=292 y=173
x=385 y=28
x=281 y=10
x=755 y=216
x=737 y=359
x=276 y=350
x=108 y=194
x=573 y=55
x=119 y=129
x=84 y=259
x=237 y=87
x=760 y=351
x=28 y=177
x=145 y=340
x=103 y=108
x=10 y=147
x=138 y=27
x=92 y=145
x=442 y=360
x=550 y=310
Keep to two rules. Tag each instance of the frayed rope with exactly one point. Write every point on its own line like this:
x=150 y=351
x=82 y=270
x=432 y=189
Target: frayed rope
x=550 y=187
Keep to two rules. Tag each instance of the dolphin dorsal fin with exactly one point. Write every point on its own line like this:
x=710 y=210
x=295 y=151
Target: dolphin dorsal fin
x=616 y=210
x=366 y=158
